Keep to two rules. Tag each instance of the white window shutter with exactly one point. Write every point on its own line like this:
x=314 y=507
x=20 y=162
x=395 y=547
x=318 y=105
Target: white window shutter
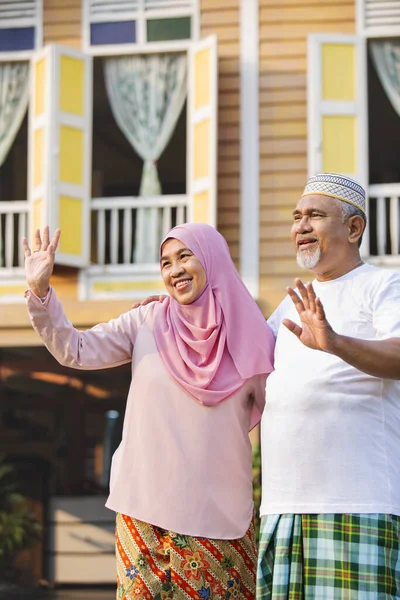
x=154 y=5
x=139 y=12
x=202 y=130
x=337 y=106
x=378 y=18
x=104 y=10
x=18 y=13
x=60 y=141
x=23 y=13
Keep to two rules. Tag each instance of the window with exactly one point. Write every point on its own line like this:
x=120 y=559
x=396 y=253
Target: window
x=337 y=106
x=20 y=25
x=103 y=433
x=60 y=117
x=116 y=166
x=378 y=19
x=383 y=130
x=136 y=24
x=20 y=36
x=378 y=25
x=14 y=170
x=354 y=117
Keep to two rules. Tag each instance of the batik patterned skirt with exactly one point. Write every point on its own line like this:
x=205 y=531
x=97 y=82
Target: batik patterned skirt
x=156 y=563
x=329 y=557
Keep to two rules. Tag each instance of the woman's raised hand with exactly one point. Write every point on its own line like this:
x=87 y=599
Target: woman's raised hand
x=39 y=262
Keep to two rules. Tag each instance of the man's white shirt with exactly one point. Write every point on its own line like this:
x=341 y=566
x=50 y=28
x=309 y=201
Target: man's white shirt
x=330 y=434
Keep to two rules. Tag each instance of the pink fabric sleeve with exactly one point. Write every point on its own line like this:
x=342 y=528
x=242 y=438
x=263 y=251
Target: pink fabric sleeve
x=105 y=345
x=259 y=399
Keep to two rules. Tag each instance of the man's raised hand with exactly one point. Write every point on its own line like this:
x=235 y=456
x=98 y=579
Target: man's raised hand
x=314 y=332
x=39 y=262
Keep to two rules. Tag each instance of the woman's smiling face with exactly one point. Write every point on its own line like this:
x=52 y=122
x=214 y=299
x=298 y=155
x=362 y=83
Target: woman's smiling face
x=182 y=272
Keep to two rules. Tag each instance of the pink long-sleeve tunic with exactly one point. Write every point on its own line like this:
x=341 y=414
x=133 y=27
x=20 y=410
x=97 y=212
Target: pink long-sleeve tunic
x=180 y=465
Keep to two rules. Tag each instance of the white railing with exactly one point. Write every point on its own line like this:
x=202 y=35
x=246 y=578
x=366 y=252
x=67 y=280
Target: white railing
x=384 y=220
x=13 y=226
x=118 y=226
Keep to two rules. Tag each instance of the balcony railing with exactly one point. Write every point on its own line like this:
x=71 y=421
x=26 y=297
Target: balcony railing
x=127 y=231
x=384 y=221
x=13 y=226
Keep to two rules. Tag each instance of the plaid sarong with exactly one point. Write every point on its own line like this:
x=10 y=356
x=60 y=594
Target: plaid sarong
x=153 y=563
x=329 y=557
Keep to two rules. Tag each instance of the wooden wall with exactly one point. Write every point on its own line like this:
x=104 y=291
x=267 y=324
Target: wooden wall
x=284 y=26
x=62 y=22
x=221 y=17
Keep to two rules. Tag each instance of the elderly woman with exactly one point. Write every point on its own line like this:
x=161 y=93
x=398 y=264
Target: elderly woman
x=181 y=479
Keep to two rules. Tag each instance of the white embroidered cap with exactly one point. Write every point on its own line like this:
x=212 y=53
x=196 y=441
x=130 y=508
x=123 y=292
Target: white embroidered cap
x=337 y=186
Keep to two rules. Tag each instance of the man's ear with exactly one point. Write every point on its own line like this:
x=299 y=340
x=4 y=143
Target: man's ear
x=356 y=225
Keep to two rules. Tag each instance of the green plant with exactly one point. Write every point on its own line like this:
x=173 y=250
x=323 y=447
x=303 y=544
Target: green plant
x=18 y=527
x=257 y=487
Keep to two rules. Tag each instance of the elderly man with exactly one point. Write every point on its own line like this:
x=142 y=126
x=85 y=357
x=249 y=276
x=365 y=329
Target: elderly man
x=330 y=435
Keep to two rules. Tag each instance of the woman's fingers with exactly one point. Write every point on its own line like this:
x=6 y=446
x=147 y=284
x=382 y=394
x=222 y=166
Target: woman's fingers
x=37 y=245
x=56 y=239
x=148 y=300
x=42 y=243
x=46 y=238
x=25 y=246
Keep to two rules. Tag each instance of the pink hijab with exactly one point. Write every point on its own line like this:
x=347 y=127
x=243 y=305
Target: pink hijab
x=212 y=346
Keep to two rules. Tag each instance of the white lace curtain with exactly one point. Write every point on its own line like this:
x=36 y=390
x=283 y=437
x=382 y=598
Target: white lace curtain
x=386 y=58
x=14 y=96
x=147 y=94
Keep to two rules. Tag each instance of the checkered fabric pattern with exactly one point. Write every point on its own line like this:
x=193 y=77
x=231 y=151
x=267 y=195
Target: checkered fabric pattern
x=337 y=186
x=329 y=557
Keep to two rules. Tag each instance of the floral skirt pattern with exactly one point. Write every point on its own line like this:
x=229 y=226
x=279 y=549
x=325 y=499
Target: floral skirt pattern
x=153 y=563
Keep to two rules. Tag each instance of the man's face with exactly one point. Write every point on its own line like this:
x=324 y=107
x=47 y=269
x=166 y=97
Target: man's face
x=319 y=235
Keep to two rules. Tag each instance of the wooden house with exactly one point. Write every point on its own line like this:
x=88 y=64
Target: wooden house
x=244 y=99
